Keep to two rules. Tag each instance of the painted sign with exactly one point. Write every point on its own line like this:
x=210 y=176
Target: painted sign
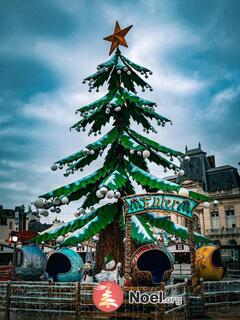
x=159 y=202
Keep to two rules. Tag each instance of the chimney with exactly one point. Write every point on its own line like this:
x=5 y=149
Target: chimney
x=211 y=161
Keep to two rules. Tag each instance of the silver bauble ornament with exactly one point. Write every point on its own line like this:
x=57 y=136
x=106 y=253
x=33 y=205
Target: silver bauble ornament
x=56 y=201
x=146 y=154
x=110 y=194
x=43 y=212
x=181 y=173
x=39 y=203
x=58 y=210
x=54 y=167
x=92 y=152
x=183 y=192
x=206 y=204
x=60 y=239
x=131 y=151
x=76 y=214
x=64 y=200
x=103 y=190
x=99 y=194
x=187 y=158
x=117 y=195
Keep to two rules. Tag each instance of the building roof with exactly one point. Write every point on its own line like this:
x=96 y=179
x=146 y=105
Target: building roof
x=202 y=169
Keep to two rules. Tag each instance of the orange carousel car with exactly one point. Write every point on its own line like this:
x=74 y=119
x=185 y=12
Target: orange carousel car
x=209 y=265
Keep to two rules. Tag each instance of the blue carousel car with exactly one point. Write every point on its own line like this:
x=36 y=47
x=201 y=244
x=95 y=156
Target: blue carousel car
x=33 y=263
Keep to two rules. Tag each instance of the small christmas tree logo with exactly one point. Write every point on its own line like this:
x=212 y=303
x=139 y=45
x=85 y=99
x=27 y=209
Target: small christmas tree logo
x=108 y=296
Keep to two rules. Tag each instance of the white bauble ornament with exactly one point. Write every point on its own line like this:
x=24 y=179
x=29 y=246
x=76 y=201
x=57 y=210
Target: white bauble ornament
x=99 y=194
x=159 y=191
x=54 y=167
x=139 y=153
x=39 y=203
x=107 y=111
x=131 y=151
x=215 y=202
x=100 y=152
x=103 y=190
x=206 y=204
x=117 y=109
x=187 y=158
x=56 y=201
x=129 y=73
x=106 y=69
x=183 y=192
x=110 y=194
x=86 y=151
x=171 y=166
x=117 y=195
x=92 y=152
x=181 y=173
x=65 y=200
x=60 y=239
x=146 y=154
x=119 y=71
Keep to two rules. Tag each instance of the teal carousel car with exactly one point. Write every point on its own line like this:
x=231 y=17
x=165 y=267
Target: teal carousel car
x=64 y=265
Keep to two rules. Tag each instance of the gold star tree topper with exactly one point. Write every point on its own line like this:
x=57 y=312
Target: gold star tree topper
x=118 y=37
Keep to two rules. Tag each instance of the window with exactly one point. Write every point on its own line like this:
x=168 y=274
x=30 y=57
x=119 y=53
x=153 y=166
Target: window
x=10 y=225
x=230 y=217
x=215 y=219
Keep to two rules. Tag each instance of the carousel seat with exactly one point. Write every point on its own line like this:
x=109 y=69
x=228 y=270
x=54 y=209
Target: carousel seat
x=151 y=265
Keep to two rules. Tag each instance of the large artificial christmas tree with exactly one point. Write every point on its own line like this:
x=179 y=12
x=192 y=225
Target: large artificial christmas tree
x=127 y=156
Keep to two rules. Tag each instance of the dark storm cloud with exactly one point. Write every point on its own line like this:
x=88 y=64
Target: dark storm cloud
x=38 y=18
x=22 y=77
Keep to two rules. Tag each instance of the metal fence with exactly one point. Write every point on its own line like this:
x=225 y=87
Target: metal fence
x=74 y=300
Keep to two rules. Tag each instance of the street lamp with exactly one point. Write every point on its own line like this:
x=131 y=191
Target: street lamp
x=14 y=239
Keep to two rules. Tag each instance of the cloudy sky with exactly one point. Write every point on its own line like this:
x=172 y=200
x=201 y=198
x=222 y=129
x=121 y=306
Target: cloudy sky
x=48 y=47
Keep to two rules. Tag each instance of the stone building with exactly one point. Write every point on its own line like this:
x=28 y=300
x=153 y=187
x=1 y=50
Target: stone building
x=221 y=221
x=14 y=220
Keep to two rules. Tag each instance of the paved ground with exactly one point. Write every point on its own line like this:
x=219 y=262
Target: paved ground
x=215 y=313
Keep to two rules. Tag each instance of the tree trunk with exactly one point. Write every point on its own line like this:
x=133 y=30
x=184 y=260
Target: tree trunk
x=110 y=243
